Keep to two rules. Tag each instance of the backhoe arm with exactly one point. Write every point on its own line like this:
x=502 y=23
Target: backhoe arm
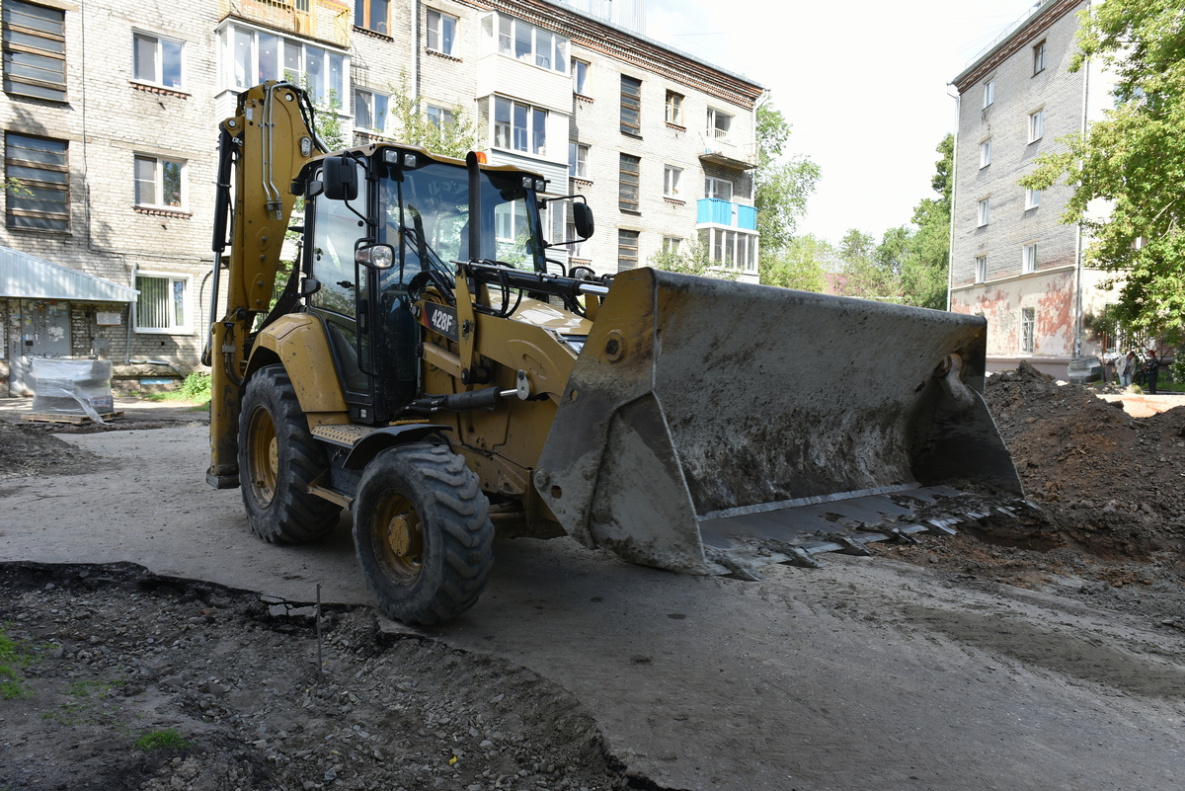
x=265 y=145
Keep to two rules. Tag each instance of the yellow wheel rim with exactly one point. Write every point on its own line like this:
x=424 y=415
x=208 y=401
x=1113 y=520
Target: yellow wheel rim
x=398 y=539
x=264 y=458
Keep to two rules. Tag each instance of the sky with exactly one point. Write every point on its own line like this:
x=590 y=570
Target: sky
x=864 y=85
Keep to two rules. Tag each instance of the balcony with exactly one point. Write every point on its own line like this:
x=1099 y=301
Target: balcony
x=327 y=21
x=714 y=211
x=721 y=149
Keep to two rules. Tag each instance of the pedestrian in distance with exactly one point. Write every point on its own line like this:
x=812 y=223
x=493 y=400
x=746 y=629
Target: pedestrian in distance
x=1128 y=369
x=1152 y=371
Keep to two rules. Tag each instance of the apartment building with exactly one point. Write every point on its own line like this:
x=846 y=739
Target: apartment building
x=110 y=112
x=1012 y=259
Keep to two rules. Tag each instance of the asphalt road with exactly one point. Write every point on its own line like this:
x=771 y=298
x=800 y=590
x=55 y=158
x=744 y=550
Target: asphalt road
x=864 y=674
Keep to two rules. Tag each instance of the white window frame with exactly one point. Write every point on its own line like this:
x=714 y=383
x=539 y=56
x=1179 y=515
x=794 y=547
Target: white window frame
x=366 y=97
x=159 y=45
x=1028 y=259
x=714 y=130
x=532 y=145
x=1032 y=198
x=185 y=328
x=674 y=109
x=305 y=57
x=580 y=75
x=1028 y=330
x=981 y=269
x=671 y=178
x=1036 y=125
x=672 y=245
x=985 y=153
x=510 y=31
x=578 y=160
x=713 y=188
x=985 y=212
x=435 y=39
x=989 y=93
x=440 y=117
x=158 y=182
x=731 y=249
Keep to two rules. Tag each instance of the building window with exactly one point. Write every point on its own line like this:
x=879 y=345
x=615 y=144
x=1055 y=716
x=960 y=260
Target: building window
x=520 y=127
x=985 y=153
x=442 y=32
x=1032 y=198
x=672 y=245
x=718 y=124
x=981 y=269
x=729 y=249
x=631 y=106
x=41 y=169
x=34 y=51
x=1028 y=261
x=156 y=60
x=371 y=15
x=627 y=249
x=1028 y=330
x=989 y=93
x=158 y=182
x=671 y=176
x=1036 y=125
x=579 y=77
x=717 y=188
x=260 y=56
x=440 y=117
x=674 y=108
x=984 y=212
x=371 y=113
x=530 y=44
x=163 y=303
x=629 y=172
x=578 y=161
x=1039 y=58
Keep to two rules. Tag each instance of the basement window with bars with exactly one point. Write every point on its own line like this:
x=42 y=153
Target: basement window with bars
x=1028 y=330
x=163 y=303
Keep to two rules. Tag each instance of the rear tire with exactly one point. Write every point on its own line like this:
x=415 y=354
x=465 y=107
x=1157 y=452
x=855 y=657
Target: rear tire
x=278 y=459
x=422 y=533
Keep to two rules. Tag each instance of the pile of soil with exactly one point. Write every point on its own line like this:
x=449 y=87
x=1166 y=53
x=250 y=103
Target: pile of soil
x=1111 y=489
x=29 y=449
x=111 y=677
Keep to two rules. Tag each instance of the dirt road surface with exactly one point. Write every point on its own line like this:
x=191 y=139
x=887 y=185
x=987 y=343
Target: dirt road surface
x=871 y=672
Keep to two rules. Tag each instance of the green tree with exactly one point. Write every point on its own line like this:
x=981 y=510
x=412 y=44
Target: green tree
x=692 y=259
x=919 y=256
x=451 y=138
x=865 y=271
x=781 y=185
x=1133 y=158
x=803 y=263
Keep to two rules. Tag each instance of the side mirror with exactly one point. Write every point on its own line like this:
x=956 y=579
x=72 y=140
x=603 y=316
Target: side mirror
x=582 y=218
x=309 y=286
x=340 y=175
x=376 y=256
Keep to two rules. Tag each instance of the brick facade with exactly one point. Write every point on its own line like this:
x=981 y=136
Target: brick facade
x=1057 y=289
x=110 y=118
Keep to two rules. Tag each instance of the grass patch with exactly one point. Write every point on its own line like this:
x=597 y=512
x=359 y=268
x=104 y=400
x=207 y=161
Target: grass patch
x=166 y=739
x=13 y=656
x=195 y=388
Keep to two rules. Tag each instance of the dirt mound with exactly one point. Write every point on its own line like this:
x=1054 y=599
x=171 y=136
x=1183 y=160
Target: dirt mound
x=28 y=449
x=1108 y=482
x=117 y=678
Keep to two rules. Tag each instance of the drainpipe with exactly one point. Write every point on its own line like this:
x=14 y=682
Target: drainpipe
x=1078 y=237
x=415 y=50
x=954 y=170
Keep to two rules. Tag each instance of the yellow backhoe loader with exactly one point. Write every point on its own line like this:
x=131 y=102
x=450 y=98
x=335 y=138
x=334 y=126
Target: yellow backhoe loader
x=427 y=367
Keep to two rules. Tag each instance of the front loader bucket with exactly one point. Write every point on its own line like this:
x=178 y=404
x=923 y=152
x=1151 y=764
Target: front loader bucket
x=709 y=426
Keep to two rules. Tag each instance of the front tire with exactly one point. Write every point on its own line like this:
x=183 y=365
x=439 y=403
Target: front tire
x=422 y=533
x=278 y=460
